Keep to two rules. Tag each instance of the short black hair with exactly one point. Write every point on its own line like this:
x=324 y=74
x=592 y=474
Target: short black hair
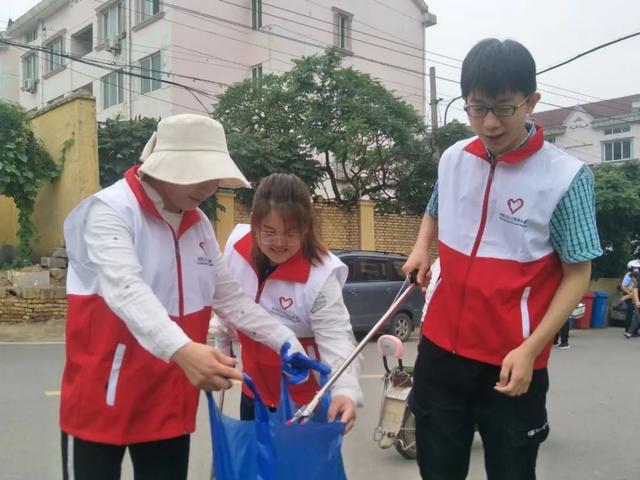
x=493 y=67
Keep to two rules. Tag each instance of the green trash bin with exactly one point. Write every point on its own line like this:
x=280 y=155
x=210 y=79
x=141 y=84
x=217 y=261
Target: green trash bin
x=599 y=315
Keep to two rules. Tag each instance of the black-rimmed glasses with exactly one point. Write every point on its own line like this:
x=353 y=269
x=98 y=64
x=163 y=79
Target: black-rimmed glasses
x=497 y=110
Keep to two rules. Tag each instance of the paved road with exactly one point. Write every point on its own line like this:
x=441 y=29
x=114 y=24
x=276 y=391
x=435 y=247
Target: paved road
x=592 y=406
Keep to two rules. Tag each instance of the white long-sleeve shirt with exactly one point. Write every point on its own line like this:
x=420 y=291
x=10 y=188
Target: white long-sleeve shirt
x=117 y=266
x=331 y=325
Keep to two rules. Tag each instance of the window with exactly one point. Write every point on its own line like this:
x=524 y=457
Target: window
x=338 y=168
x=111 y=21
x=551 y=139
x=82 y=42
x=612 y=131
x=112 y=89
x=350 y=262
x=373 y=269
x=256 y=14
x=617 y=150
x=31 y=35
x=149 y=8
x=256 y=72
x=54 y=58
x=29 y=67
x=150 y=68
x=342 y=21
x=396 y=272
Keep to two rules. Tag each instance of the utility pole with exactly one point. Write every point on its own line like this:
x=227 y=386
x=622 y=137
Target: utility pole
x=433 y=101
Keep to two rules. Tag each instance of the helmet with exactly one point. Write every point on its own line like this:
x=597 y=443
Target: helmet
x=634 y=265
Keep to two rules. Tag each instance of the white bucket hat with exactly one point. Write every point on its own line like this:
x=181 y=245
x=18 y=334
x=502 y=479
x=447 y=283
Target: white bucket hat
x=188 y=149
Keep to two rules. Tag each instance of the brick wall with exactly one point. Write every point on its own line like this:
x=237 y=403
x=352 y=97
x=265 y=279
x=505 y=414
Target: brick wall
x=14 y=309
x=339 y=228
x=395 y=233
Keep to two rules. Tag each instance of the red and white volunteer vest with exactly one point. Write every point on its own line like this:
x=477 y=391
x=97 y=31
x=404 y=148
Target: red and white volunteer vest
x=113 y=390
x=288 y=294
x=499 y=270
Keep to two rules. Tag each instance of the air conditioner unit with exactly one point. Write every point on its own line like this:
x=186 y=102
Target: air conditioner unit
x=112 y=44
x=29 y=85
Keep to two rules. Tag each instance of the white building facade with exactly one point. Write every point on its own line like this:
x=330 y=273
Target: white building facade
x=202 y=45
x=607 y=131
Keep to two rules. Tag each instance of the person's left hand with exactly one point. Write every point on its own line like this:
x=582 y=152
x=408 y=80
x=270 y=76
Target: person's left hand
x=342 y=408
x=516 y=372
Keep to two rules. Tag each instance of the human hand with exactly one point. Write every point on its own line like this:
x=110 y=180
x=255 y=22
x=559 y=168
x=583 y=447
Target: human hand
x=295 y=362
x=206 y=367
x=419 y=260
x=343 y=409
x=516 y=373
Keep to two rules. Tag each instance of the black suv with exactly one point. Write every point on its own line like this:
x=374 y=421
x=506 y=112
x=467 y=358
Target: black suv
x=373 y=283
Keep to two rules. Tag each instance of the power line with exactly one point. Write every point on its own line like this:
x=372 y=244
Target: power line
x=108 y=65
x=103 y=80
x=553 y=67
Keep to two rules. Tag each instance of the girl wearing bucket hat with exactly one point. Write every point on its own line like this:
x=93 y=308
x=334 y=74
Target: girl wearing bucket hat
x=145 y=272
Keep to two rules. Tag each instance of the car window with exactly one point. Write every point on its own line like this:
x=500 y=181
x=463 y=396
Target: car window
x=396 y=274
x=373 y=269
x=350 y=262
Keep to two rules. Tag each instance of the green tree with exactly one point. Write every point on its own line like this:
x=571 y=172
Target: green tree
x=261 y=121
x=367 y=139
x=415 y=187
x=324 y=122
x=618 y=215
x=120 y=143
x=25 y=165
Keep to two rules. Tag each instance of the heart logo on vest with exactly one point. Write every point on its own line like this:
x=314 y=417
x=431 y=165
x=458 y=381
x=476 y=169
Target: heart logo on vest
x=515 y=204
x=286 y=302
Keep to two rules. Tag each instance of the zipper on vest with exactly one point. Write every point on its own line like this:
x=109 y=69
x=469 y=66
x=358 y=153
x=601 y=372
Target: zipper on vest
x=179 y=268
x=476 y=246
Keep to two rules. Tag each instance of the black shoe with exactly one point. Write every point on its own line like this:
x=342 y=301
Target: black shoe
x=564 y=345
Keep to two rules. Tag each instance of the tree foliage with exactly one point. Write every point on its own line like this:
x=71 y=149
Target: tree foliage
x=261 y=121
x=120 y=143
x=618 y=215
x=25 y=165
x=334 y=127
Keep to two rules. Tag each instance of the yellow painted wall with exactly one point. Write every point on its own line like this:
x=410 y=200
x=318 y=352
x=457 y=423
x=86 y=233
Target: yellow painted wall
x=74 y=118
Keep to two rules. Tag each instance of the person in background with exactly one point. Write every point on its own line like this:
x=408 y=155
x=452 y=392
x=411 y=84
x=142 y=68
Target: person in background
x=144 y=272
x=281 y=262
x=629 y=282
x=514 y=218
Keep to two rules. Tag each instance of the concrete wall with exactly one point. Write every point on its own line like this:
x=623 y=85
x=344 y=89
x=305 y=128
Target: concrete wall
x=73 y=118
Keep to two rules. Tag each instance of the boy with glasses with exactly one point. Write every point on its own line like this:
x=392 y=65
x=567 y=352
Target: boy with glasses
x=514 y=218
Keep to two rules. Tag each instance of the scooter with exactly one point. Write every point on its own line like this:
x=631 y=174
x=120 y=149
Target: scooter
x=396 y=424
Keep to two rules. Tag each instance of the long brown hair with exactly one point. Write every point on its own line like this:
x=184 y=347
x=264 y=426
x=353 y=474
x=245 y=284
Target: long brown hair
x=289 y=197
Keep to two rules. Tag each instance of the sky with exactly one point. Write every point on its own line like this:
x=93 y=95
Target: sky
x=553 y=30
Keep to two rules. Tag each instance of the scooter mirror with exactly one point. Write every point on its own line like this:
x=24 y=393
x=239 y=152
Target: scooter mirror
x=388 y=345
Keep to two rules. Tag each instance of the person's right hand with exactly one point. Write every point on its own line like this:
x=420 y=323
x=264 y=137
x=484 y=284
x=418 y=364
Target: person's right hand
x=206 y=367
x=419 y=260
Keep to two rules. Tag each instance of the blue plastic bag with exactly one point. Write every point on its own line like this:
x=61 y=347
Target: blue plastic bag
x=268 y=449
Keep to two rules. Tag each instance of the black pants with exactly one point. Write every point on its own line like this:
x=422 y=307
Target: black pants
x=452 y=396
x=563 y=333
x=161 y=460
x=247 y=407
x=628 y=314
